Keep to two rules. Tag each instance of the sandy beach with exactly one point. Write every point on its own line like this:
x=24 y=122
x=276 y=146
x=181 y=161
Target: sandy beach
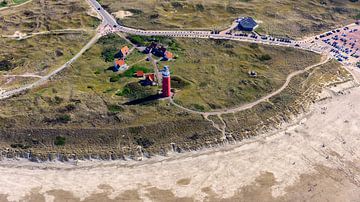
x=316 y=159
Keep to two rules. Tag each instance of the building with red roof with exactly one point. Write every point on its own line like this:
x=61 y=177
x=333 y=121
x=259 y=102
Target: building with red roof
x=168 y=55
x=119 y=64
x=139 y=74
x=124 y=50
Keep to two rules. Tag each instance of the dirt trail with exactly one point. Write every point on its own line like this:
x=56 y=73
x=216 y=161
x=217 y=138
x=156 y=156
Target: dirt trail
x=23 y=75
x=324 y=60
x=41 y=81
x=21 y=36
x=317 y=159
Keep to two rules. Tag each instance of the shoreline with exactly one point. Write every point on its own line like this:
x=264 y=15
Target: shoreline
x=285 y=164
x=173 y=156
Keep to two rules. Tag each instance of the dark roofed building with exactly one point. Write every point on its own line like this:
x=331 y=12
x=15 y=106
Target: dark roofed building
x=247 y=24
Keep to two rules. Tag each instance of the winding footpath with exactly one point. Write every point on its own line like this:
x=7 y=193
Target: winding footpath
x=252 y=104
x=22 y=36
x=44 y=79
x=109 y=23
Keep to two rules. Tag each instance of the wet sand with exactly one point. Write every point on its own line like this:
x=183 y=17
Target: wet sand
x=314 y=160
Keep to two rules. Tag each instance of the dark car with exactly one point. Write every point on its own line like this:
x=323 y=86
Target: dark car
x=114 y=26
x=99 y=8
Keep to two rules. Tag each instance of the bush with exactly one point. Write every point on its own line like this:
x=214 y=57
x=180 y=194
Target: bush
x=254 y=45
x=114 y=78
x=178 y=82
x=59 y=141
x=5 y=65
x=108 y=54
x=144 y=142
x=136 y=91
x=264 y=57
x=199 y=7
x=198 y=107
x=63 y=118
x=115 y=108
x=130 y=72
x=3 y=3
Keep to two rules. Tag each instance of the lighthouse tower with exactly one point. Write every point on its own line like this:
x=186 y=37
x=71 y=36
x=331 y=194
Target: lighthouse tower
x=166 y=87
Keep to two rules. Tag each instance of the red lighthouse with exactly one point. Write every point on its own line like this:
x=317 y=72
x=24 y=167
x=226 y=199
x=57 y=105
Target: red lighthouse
x=166 y=86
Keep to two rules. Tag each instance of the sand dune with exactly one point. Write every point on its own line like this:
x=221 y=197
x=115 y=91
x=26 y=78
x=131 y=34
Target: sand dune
x=316 y=159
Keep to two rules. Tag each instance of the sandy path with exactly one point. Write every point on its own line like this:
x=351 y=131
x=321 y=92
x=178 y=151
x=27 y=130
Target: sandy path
x=315 y=160
x=44 y=79
x=324 y=60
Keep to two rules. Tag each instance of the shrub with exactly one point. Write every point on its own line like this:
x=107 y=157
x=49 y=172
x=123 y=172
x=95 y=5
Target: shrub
x=144 y=142
x=5 y=65
x=3 y=3
x=59 y=141
x=108 y=54
x=114 y=108
x=134 y=90
x=63 y=118
x=264 y=57
x=130 y=72
x=254 y=45
x=114 y=78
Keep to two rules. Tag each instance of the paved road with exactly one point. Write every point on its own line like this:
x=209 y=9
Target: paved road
x=108 y=19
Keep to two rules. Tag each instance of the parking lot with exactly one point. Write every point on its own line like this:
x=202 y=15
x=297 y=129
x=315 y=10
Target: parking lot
x=344 y=43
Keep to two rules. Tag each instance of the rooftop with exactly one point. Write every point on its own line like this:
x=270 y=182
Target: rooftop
x=120 y=62
x=247 y=22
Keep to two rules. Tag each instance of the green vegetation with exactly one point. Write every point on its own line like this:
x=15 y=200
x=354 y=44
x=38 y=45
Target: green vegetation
x=216 y=72
x=301 y=92
x=357 y=17
x=19 y=1
x=108 y=54
x=264 y=57
x=170 y=43
x=38 y=54
x=59 y=141
x=111 y=47
x=3 y=3
x=130 y=72
x=115 y=108
x=37 y=17
x=106 y=119
x=135 y=91
x=5 y=65
x=278 y=17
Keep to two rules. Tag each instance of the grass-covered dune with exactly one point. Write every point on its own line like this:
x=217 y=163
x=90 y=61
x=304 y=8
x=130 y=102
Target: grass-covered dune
x=39 y=15
x=285 y=17
x=82 y=112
